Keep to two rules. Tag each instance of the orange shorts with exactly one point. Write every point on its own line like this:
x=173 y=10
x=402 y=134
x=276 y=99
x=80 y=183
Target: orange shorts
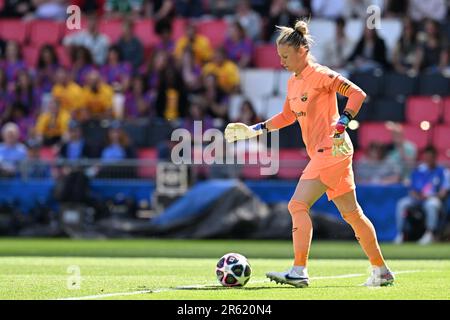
x=336 y=173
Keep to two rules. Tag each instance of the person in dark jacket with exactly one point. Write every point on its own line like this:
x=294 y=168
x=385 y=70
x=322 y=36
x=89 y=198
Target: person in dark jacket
x=370 y=52
x=76 y=147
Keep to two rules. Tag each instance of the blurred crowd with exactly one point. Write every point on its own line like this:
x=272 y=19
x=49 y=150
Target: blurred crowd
x=186 y=79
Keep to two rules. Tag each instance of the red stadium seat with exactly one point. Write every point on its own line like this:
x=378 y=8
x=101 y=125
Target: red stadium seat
x=447 y=110
x=13 y=29
x=30 y=55
x=66 y=31
x=214 y=30
x=45 y=32
x=413 y=133
x=420 y=109
x=266 y=56
x=148 y=51
x=292 y=163
x=441 y=137
x=112 y=28
x=251 y=171
x=144 y=30
x=147 y=170
x=178 y=28
x=199 y=170
x=47 y=154
x=373 y=132
x=377 y=132
x=63 y=56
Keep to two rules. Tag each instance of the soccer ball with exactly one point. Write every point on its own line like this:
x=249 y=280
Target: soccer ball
x=233 y=270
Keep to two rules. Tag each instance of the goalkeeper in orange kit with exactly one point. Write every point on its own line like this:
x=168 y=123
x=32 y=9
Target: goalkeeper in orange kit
x=311 y=100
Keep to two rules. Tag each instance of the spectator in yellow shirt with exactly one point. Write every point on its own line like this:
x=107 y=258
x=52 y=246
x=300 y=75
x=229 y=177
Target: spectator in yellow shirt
x=97 y=96
x=67 y=92
x=226 y=71
x=52 y=124
x=199 y=44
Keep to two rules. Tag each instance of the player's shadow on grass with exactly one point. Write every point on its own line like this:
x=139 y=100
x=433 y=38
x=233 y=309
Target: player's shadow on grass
x=220 y=288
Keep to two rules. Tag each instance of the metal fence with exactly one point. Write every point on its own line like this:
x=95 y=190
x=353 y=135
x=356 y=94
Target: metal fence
x=139 y=169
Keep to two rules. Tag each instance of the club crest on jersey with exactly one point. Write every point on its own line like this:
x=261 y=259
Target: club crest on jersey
x=304 y=97
x=299 y=114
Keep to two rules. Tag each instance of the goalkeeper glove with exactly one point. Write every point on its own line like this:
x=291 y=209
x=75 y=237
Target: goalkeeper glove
x=240 y=131
x=340 y=146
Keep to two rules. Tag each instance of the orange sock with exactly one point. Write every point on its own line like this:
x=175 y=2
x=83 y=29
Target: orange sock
x=301 y=231
x=365 y=234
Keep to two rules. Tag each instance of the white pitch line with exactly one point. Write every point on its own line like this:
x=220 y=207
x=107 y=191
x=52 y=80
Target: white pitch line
x=195 y=286
x=99 y=296
x=338 y=277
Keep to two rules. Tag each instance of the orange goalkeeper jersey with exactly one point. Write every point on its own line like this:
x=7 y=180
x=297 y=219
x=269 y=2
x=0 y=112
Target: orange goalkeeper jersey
x=311 y=100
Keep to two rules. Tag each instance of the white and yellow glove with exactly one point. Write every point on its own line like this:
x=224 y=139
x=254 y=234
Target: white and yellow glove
x=240 y=131
x=340 y=146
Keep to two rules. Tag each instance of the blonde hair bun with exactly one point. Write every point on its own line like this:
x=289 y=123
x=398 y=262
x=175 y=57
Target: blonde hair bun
x=302 y=27
x=297 y=37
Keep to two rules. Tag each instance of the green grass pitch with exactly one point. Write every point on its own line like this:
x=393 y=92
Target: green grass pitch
x=185 y=269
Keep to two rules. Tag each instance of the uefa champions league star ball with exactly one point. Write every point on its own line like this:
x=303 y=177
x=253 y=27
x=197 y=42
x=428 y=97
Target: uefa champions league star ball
x=233 y=270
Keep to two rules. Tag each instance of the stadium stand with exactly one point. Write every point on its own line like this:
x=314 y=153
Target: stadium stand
x=178 y=27
x=170 y=86
x=266 y=56
x=399 y=85
x=47 y=154
x=294 y=161
x=373 y=132
x=434 y=84
x=280 y=86
x=235 y=103
x=63 y=56
x=13 y=29
x=30 y=55
x=138 y=131
x=372 y=84
x=144 y=30
x=391 y=96
x=214 y=30
x=421 y=138
x=441 y=141
x=446 y=110
x=420 y=109
x=291 y=137
x=258 y=82
x=366 y=112
x=388 y=109
x=45 y=32
x=273 y=105
x=251 y=171
x=112 y=28
x=149 y=155
x=83 y=26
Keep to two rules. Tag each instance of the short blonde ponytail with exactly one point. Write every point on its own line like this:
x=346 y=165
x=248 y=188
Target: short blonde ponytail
x=302 y=27
x=297 y=37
